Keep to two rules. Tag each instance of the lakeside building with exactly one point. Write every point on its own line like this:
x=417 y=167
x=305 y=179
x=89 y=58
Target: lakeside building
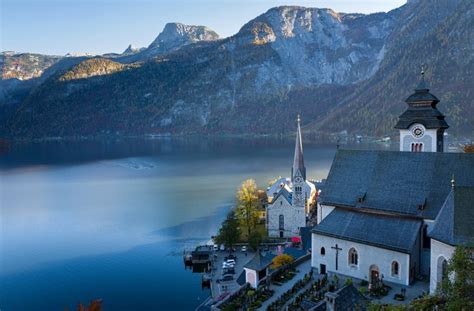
x=397 y=215
x=290 y=200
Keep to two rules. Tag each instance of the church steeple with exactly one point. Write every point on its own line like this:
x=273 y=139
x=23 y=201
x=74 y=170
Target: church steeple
x=298 y=161
x=422 y=125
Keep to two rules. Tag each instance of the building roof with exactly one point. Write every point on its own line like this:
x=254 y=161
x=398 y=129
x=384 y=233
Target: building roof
x=422 y=109
x=260 y=262
x=389 y=232
x=348 y=298
x=455 y=223
x=411 y=183
x=298 y=161
x=285 y=193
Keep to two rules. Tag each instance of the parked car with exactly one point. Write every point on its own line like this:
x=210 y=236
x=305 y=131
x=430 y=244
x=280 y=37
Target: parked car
x=244 y=249
x=227 y=265
x=230 y=257
x=222 y=248
x=230 y=261
x=216 y=248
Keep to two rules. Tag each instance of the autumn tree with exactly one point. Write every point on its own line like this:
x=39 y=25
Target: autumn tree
x=469 y=148
x=247 y=204
x=281 y=260
x=229 y=233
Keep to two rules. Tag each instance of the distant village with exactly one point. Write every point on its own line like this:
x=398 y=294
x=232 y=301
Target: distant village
x=387 y=230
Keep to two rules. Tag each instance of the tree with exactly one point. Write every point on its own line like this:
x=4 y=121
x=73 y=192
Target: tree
x=247 y=200
x=229 y=233
x=456 y=291
x=458 y=286
x=469 y=148
x=281 y=260
x=255 y=238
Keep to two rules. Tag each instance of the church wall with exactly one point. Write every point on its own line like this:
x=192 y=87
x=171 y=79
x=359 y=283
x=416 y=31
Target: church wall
x=293 y=218
x=323 y=211
x=429 y=140
x=438 y=249
x=367 y=256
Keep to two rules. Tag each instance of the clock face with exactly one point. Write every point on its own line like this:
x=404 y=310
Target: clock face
x=418 y=131
x=298 y=179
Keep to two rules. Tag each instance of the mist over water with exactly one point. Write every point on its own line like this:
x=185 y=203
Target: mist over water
x=110 y=219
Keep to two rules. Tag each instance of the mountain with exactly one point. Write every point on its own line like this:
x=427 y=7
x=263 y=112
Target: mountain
x=341 y=71
x=132 y=50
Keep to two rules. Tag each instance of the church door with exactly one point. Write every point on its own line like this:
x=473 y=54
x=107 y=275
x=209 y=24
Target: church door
x=374 y=273
x=322 y=269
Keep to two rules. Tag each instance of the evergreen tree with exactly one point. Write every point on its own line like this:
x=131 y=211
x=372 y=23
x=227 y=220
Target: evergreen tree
x=229 y=233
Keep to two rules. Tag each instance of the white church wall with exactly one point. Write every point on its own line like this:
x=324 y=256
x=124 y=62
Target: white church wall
x=367 y=256
x=429 y=140
x=323 y=211
x=294 y=218
x=439 y=250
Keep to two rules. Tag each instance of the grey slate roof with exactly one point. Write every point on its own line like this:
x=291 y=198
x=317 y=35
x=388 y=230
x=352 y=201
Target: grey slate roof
x=260 y=262
x=298 y=160
x=455 y=223
x=422 y=109
x=348 y=298
x=389 y=232
x=287 y=195
x=394 y=181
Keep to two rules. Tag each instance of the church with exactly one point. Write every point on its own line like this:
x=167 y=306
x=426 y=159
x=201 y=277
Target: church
x=290 y=200
x=396 y=216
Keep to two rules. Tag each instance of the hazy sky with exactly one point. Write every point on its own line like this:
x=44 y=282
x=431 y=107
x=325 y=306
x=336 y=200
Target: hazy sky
x=101 y=26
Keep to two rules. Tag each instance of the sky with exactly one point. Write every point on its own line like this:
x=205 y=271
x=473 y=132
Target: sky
x=58 y=27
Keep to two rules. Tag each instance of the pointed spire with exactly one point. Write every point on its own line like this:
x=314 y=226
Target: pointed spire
x=422 y=84
x=298 y=162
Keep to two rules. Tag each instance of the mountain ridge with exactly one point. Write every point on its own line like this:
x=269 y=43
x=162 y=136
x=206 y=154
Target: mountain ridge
x=343 y=71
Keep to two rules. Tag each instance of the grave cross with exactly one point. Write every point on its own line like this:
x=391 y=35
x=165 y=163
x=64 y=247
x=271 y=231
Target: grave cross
x=337 y=253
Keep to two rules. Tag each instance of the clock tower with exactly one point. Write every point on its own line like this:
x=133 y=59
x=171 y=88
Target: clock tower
x=298 y=172
x=422 y=125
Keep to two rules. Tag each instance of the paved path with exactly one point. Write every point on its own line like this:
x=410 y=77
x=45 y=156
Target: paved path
x=302 y=269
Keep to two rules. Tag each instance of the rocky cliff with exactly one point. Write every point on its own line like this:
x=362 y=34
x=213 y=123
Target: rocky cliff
x=341 y=71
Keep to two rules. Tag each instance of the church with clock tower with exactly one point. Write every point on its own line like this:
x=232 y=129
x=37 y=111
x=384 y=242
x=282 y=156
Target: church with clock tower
x=290 y=199
x=422 y=125
x=397 y=216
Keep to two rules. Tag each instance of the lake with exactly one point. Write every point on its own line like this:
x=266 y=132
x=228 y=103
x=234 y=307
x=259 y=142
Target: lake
x=110 y=219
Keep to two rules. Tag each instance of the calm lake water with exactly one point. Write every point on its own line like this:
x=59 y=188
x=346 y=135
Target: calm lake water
x=110 y=219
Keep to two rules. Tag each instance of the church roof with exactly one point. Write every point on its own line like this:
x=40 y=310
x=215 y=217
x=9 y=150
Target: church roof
x=389 y=232
x=285 y=193
x=410 y=183
x=454 y=224
x=422 y=109
x=298 y=161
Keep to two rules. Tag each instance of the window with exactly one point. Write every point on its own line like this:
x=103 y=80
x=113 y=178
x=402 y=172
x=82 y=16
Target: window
x=281 y=222
x=416 y=147
x=323 y=251
x=353 y=257
x=395 y=269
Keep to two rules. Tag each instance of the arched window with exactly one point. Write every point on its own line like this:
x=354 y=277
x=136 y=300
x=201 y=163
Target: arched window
x=353 y=257
x=444 y=269
x=395 y=268
x=281 y=222
x=323 y=251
